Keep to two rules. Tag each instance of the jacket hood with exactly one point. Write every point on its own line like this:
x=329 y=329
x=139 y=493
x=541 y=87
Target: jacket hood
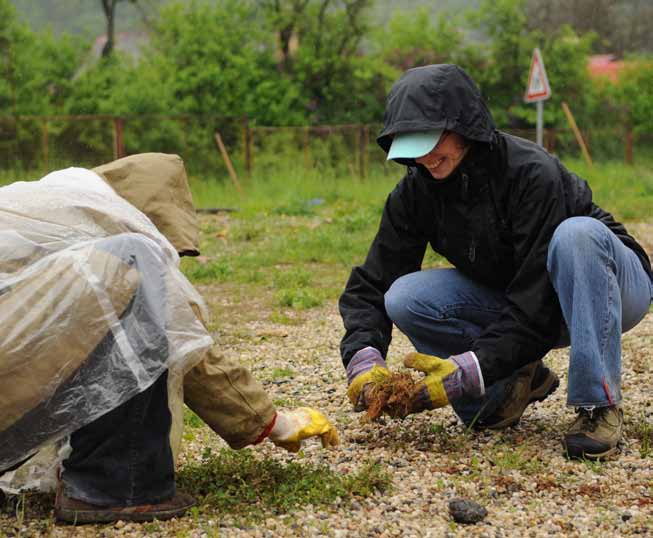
x=157 y=184
x=438 y=96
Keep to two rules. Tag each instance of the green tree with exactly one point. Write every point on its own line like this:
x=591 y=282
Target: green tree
x=37 y=68
x=632 y=97
x=503 y=75
x=421 y=38
x=8 y=37
x=219 y=60
x=337 y=81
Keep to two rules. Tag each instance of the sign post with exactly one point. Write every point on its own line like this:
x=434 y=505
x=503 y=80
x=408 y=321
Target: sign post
x=538 y=90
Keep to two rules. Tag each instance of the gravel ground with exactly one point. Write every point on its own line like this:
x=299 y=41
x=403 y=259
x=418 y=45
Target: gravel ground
x=520 y=475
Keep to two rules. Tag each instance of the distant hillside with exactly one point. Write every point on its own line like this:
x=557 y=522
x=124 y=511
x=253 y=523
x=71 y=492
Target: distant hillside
x=82 y=17
x=85 y=17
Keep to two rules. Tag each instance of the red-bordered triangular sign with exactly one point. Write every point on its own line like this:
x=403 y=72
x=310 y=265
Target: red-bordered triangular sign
x=538 y=84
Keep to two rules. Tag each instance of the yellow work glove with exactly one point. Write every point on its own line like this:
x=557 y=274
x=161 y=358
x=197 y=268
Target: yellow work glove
x=292 y=427
x=365 y=368
x=362 y=383
x=446 y=379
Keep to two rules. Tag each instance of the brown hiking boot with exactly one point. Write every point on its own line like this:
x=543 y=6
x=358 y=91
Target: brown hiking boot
x=534 y=383
x=595 y=433
x=67 y=510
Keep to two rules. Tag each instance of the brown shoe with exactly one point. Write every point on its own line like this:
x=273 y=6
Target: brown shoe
x=595 y=434
x=67 y=510
x=534 y=383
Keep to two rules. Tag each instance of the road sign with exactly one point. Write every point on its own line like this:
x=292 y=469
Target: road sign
x=538 y=84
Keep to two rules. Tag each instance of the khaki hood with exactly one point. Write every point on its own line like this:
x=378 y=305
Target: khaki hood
x=157 y=184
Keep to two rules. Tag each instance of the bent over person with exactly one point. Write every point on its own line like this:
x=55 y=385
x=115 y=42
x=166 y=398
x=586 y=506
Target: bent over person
x=536 y=265
x=101 y=335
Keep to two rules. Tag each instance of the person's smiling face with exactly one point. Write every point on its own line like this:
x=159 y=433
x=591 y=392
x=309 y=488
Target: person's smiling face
x=443 y=159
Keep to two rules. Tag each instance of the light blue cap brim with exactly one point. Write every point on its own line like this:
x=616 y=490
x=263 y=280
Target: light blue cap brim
x=413 y=145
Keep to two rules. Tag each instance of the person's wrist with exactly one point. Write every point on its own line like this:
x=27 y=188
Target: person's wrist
x=267 y=431
x=281 y=429
x=363 y=361
x=467 y=380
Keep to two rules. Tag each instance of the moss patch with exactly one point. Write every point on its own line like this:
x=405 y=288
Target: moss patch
x=237 y=483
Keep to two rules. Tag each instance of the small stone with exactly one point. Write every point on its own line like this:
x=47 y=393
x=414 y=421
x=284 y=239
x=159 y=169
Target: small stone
x=466 y=511
x=626 y=516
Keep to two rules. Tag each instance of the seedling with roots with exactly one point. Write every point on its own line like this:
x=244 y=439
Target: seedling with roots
x=392 y=395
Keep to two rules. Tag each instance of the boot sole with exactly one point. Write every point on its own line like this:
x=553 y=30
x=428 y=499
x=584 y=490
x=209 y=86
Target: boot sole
x=574 y=452
x=542 y=392
x=82 y=517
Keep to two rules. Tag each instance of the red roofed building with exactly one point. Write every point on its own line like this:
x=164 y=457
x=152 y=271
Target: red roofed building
x=605 y=65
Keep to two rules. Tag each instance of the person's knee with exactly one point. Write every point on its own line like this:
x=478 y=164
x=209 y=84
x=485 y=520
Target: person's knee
x=398 y=301
x=573 y=238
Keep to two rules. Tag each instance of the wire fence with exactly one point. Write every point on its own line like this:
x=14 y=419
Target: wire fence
x=51 y=142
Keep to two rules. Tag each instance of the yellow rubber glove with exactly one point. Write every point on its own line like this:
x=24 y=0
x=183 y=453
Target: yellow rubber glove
x=362 y=382
x=436 y=371
x=292 y=427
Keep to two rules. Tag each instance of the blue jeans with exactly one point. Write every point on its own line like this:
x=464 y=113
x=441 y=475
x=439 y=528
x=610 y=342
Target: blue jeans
x=603 y=291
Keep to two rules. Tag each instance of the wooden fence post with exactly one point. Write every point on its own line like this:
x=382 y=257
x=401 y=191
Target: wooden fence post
x=577 y=133
x=306 y=142
x=45 y=145
x=184 y=124
x=628 y=145
x=118 y=143
x=366 y=143
x=247 y=145
x=227 y=160
x=550 y=139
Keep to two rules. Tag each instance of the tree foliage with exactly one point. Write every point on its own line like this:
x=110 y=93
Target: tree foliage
x=620 y=25
x=37 y=68
x=294 y=62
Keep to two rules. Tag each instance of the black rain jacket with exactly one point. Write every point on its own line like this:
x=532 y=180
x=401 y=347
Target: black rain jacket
x=493 y=219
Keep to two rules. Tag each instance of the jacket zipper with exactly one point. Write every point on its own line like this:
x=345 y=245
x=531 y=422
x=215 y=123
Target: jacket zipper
x=471 y=251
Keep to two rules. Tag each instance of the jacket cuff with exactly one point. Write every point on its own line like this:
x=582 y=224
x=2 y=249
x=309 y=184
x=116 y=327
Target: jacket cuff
x=363 y=361
x=467 y=380
x=266 y=432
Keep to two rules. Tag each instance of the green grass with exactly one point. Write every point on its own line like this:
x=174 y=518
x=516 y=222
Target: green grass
x=191 y=420
x=624 y=191
x=280 y=373
x=641 y=429
x=297 y=234
x=237 y=483
x=294 y=239
x=509 y=458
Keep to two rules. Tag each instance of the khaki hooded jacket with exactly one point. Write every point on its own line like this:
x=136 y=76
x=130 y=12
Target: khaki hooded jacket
x=61 y=294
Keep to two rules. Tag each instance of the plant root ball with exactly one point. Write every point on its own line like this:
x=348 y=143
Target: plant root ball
x=392 y=396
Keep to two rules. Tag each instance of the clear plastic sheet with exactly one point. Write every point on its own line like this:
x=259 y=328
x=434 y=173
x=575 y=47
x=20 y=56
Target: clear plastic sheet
x=93 y=309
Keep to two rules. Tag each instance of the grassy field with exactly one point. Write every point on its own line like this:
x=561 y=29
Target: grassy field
x=297 y=234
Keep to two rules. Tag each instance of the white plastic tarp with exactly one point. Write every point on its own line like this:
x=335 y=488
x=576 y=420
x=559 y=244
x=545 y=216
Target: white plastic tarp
x=93 y=309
